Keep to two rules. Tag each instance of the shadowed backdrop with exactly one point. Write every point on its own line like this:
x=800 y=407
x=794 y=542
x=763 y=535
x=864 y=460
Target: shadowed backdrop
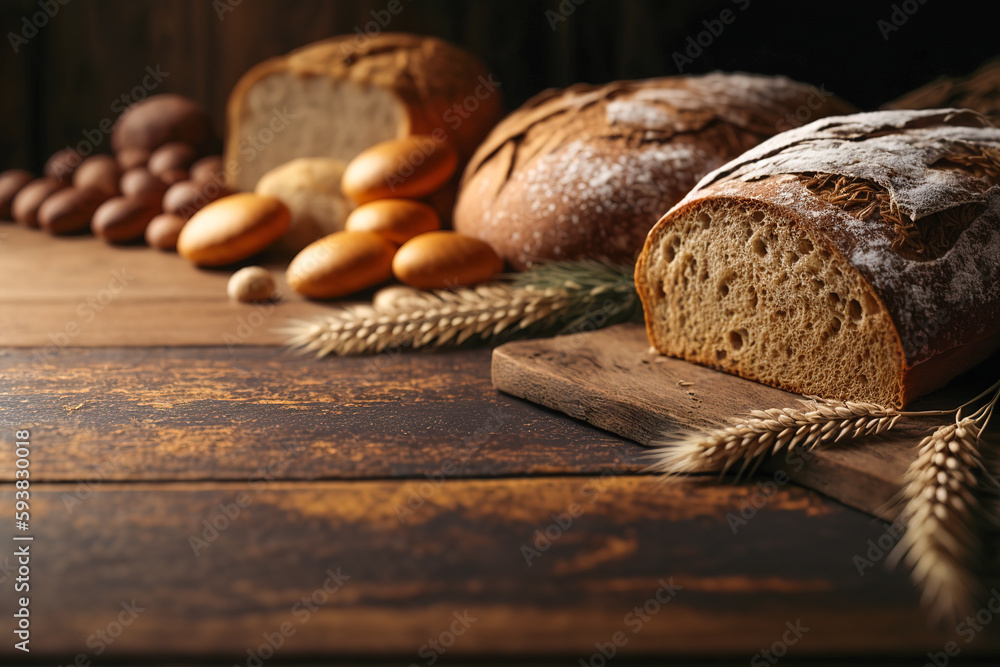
x=62 y=79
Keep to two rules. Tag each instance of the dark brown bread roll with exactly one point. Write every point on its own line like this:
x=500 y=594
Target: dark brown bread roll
x=11 y=182
x=855 y=258
x=156 y=120
x=24 y=207
x=69 y=210
x=587 y=171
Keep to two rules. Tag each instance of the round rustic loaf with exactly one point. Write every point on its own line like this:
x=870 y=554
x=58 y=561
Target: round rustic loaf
x=585 y=172
x=337 y=97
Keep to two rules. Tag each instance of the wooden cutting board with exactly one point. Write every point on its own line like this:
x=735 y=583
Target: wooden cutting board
x=611 y=379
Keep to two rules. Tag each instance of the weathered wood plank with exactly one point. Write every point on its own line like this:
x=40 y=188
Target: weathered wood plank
x=461 y=549
x=80 y=291
x=208 y=413
x=611 y=379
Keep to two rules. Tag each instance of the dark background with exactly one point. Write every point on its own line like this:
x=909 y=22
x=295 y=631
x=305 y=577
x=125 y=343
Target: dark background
x=65 y=78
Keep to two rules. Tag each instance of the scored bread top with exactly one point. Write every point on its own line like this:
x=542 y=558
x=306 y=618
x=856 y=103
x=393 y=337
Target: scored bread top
x=909 y=198
x=586 y=171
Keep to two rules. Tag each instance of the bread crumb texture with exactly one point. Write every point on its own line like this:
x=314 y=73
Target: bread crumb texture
x=836 y=258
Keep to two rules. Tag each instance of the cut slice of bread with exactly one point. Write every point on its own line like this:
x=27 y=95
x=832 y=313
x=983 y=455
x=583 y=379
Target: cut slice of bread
x=856 y=258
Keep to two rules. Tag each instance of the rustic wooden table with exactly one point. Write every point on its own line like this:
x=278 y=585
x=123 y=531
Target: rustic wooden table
x=199 y=494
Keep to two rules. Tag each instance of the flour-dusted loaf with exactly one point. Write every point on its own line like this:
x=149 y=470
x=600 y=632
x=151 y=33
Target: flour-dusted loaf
x=857 y=257
x=335 y=98
x=585 y=172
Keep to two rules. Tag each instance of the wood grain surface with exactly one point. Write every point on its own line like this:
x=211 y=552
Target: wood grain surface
x=461 y=548
x=215 y=414
x=407 y=471
x=79 y=291
x=611 y=379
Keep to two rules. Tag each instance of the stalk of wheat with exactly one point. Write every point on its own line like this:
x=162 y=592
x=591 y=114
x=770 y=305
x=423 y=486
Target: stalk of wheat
x=943 y=511
x=766 y=432
x=549 y=300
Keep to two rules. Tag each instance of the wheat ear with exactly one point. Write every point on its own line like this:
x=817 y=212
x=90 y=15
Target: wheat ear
x=944 y=514
x=941 y=515
x=435 y=319
x=550 y=299
x=767 y=432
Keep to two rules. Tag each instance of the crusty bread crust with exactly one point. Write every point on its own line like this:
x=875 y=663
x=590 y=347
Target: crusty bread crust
x=585 y=171
x=911 y=274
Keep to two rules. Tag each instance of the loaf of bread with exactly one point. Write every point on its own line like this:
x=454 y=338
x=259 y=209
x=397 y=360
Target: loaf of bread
x=585 y=172
x=979 y=91
x=338 y=97
x=857 y=258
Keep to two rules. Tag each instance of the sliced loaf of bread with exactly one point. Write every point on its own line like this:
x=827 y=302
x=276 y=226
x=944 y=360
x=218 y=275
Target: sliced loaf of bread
x=335 y=98
x=857 y=257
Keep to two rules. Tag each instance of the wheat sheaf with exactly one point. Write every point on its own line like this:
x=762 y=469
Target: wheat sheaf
x=944 y=490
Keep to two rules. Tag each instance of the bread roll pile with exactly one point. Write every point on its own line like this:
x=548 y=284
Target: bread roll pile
x=161 y=173
x=391 y=233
